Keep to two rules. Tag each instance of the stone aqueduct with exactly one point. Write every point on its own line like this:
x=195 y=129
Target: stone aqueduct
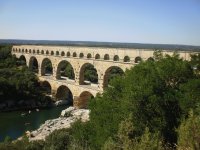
x=102 y=58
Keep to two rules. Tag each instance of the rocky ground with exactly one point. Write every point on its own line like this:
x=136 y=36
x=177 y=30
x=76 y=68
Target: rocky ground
x=67 y=117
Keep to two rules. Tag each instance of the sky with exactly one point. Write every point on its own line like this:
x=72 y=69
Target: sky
x=130 y=21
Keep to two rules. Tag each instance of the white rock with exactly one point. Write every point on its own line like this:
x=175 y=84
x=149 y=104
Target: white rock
x=62 y=122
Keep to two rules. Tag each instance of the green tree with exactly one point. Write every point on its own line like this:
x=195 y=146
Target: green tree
x=189 y=133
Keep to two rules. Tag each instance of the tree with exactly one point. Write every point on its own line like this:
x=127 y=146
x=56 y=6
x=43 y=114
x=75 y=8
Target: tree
x=189 y=133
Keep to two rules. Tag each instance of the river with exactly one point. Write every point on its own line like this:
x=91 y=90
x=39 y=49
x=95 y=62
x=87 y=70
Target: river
x=14 y=124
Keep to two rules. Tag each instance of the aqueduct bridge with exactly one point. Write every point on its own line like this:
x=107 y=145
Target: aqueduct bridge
x=102 y=58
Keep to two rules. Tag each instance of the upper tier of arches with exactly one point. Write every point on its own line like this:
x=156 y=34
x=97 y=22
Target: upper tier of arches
x=81 y=55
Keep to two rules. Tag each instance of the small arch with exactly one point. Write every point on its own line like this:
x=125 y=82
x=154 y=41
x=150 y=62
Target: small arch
x=16 y=50
x=19 y=50
x=126 y=59
x=150 y=59
x=62 y=53
x=81 y=55
x=22 y=50
x=84 y=99
x=116 y=58
x=106 y=57
x=68 y=54
x=26 y=51
x=138 y=59
x=13 y=50
x=74 y=54
x=33 y=51
x=46 y=67
x=97 y=56
x=47 y=52
x=33 y=64
x=111 y=73
x=52 y=52
x=38 y=51
x=89 y=56
x=64 y=93
x=45 y=88
x=42 y=51
x=29 y=50
x=57 y=53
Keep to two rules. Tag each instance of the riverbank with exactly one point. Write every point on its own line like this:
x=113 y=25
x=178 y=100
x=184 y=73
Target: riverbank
x=15 y=123
x=66 y=119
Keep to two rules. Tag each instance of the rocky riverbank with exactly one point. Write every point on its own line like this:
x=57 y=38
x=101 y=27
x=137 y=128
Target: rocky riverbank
x=67 y=117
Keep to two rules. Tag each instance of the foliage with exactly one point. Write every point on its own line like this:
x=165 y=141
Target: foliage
x=126 y=140
x=189 y=133
x=17 y=78
x=152 y=92
x=57 y=140
x=195 y=62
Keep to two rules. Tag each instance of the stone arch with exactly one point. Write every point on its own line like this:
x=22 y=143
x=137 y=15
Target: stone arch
x=106 y=57
x=89 y=56
x=138 y=59
x=74 y=54
x=29 y=51
x=68 y=54
x=57 y=53
x=84 y=99
x=116 y=58
x=26 y=51
x=90 y=75
x=42 y=51
x=22 y=50
x=81 y=55
x=127 y=59
x=33 y=51
x=97 y=56
x=62 y=53
x=46 y=67
x=65 y=70
x=22 y=60
x=110 y=73
x=64 y=93
x=45 y=87
x=52 y=52
x=38 y=51
x=47 y=52
x=33 y=64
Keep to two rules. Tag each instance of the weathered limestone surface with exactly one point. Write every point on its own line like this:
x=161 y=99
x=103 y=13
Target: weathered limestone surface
x=68 y=116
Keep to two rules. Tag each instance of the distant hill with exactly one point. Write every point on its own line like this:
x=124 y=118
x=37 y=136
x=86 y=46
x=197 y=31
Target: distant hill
x=102 y=44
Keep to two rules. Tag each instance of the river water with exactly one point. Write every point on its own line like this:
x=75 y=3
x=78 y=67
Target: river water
x=14 y=124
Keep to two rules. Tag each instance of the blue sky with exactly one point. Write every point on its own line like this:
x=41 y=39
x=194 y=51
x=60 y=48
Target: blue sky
x=134 y=21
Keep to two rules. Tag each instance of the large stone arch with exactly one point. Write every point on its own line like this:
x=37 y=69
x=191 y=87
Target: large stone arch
x=46 y=87
x=46 y=67
x=23 y=60
x=107 y=73
x=84 y=99
x=64 y=93
x=33 y=64
x=60 y=66
x=82 y=71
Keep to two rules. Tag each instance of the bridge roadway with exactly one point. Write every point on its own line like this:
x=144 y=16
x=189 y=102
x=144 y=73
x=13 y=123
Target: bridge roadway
x=103 y=59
